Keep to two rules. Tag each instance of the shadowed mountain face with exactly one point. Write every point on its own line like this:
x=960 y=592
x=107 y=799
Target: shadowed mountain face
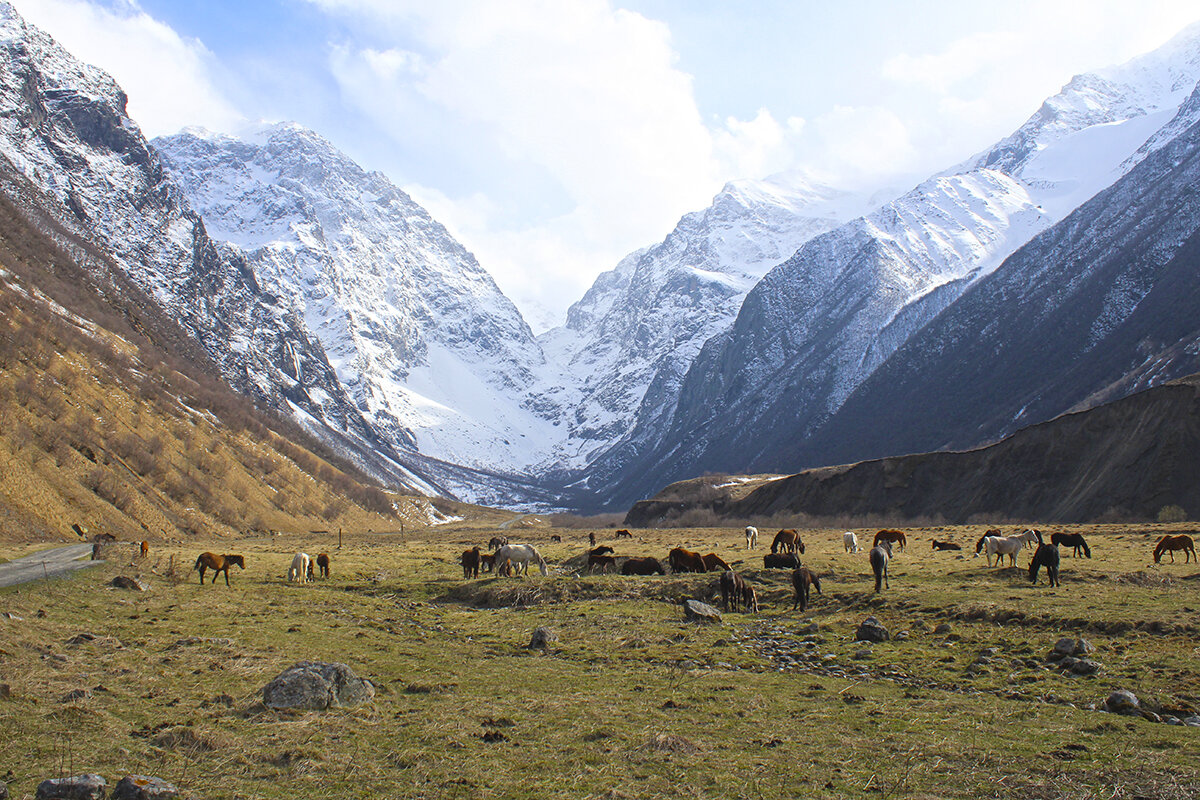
x=1131 y=457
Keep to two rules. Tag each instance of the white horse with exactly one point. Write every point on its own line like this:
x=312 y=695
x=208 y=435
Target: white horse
x=300 y=569
x=518 y=555
x=1002 y=546
x=751 y=537
x=850 y=542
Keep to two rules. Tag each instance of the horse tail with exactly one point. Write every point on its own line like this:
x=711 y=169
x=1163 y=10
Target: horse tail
x=199 y=561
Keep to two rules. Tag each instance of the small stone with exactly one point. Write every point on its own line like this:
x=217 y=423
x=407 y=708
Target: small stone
x=870 y=630
x=863 y=654
x=901 y=636
x=1192 y=721
x=1065 y=646
x=1082 y=647
x=142 y=787
x=542 y=637
x=78 y=787
x=76 y=694
x=942 y=629
x=1122 y=701
x=1174 y=721
x=809 y=629
x=1085 y=666
x=125 y=582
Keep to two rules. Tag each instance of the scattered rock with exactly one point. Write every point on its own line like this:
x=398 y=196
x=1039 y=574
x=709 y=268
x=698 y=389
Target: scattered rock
x=125 y=582
x=870 y=630
x=809 y=629
x=942 y=629
x=1122 y=701
x=695 y=611
x=1193 y=722
x=901 y=636
x=542 y=637
x=142 y=787
x=81 y=638
x=862 y=655
x=78 y=787
x=317 y=686
x=76 y=694
x=1086 y=666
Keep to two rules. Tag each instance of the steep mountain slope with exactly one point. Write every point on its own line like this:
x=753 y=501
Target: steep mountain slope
x=629 y=341
x=1101 y=305
x=66 y=131
x=820 y=324
x=426 y=345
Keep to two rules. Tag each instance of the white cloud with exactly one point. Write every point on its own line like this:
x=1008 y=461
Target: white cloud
x=167 y=78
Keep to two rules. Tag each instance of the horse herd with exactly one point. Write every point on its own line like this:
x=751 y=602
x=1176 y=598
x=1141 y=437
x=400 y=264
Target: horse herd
x=786 y=549
x=301 y=570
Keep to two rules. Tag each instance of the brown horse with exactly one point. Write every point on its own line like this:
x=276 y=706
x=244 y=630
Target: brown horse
x=642 y=566
x=895 y=537
x=1169 y=544
x=945 y=545
x=624 y=534
x=470 y=562
x=218 y=564
x=602 y=561
x=787 y=541
x=145 y=549
x=686 y=561
x=323 y=564
x=713 y=562
x=781 y=561
x=735 y=588
x=802 y=578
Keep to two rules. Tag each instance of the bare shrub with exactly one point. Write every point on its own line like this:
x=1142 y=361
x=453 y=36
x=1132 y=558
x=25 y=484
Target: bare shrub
x=1171 y=513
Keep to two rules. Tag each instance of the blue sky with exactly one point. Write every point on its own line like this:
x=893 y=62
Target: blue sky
x=554 y=136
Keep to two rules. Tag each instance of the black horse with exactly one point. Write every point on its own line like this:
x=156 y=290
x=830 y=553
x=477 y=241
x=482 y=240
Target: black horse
x=1072 y=540
x=1046 y=556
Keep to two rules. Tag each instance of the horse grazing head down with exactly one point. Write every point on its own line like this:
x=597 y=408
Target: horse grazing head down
x=686 y=561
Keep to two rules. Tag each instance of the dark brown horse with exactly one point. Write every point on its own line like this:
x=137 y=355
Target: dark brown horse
x=686 y=561
x=787 y=541
x=624 y=534
x=735 y=588
x=642 y=566
x=323 y=564
x=713 y=562
x=781 y=561
x=218 y=564
x=1169 y=544
x=1046 y=556
x=470 y=562
x=497 y=542
x=601 y=561
x=896 y=537
x=1073 y=540
x=802 y=578
x=944 y=545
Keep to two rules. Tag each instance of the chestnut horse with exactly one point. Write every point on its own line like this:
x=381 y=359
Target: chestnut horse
x=894 y=536
x=470 y=562
x=1169 y=544
x=802 y=578
x=323 y=564
x=713 y=562
x=642 y=566
x=603 y=562
x=944 y=545
x=686 y=561
x=781 y=561
x=145 y=549
x=217 y=564
x=787 y=540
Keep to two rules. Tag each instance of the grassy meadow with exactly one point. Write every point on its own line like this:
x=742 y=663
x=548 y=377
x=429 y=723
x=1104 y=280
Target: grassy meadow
x=629 y=701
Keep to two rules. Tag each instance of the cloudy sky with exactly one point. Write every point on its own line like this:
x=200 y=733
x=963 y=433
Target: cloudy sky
x=555 y=136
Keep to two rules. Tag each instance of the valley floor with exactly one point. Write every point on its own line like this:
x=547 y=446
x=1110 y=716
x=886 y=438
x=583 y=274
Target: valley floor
x=629 y=700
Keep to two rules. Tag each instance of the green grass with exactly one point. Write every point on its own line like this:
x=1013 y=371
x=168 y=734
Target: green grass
x=630 y=701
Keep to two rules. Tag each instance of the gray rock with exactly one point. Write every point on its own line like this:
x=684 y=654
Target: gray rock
x=871 y=631
x=1122 y=701
x=317 y=686
x=1064 y=647
x=942 y=629
x=142 y=787
x=809 y=629
x=1086 y=666
x=695 y=611
x=542 y=637
x=901 y=636
x=3 y=790
x=125 y=582
x=78 y=787
x=1192 y=721
x=76 y=694
x=862 y=655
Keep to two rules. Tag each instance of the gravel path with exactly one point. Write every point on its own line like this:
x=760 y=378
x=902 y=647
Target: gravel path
x=45 y=564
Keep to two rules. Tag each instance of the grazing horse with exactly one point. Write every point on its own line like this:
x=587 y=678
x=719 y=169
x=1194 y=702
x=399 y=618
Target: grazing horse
x=1169 y=544
x=880 y=555
x=592 y=539
x=713 y=562
x=642 y=566
x=1074 y=540
x=519 y=555
x=604 y=562
x=850 y=542
x=1046 y=556
x=787 y=540
x=497 y=542
x=470 y=562
x=944 y=545
x=554 y=537
x=751 y=537
x=602 y=550
x=802 y=578
x=217 y=564
x=487 y=561
x=145 y=549
x=890 y=535
x=686 y=561
x=781 y=561
x=1002 y=546
x=735 y=588
x=624 y=534
x=323 y=564
x=301 y=568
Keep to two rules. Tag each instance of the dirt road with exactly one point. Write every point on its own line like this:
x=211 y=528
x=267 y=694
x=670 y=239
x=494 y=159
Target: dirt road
x=47 y=563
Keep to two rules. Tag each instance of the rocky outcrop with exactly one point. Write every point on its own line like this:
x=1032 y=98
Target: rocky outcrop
x=316 y=686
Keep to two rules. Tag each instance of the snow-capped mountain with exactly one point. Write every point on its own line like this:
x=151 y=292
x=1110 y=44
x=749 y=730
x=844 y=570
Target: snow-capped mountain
x=628 y=342
x=428 y=348
x=820 y=324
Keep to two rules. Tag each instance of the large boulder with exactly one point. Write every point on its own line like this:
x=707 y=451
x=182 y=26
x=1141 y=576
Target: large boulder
x=695 y=611
x=871 y=630
x=316 y=686
x=143 y=787
x=77 y=787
